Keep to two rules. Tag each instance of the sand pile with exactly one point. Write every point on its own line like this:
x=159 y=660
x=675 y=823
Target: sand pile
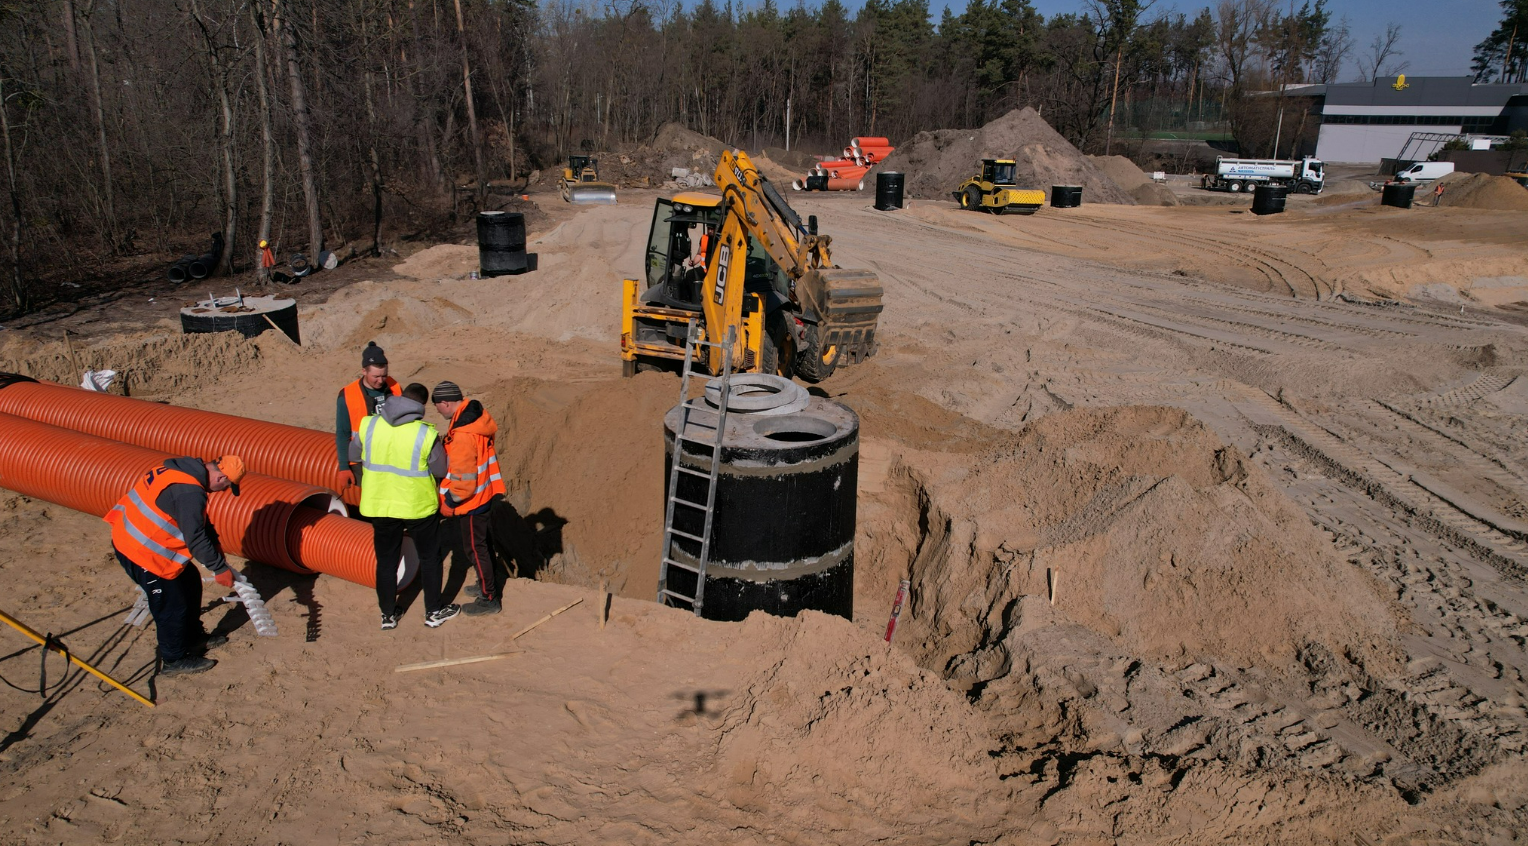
x=1481 y=191
x=1149 y=533
x=936 y=162
x=1152 y=194
x=1346 y=191
x=147 y=364
x=901 y=737
x=652 y=164
x=559 y=444
x=1122 y=170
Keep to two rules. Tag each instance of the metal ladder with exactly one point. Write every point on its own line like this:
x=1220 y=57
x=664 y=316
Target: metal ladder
x=716 y=426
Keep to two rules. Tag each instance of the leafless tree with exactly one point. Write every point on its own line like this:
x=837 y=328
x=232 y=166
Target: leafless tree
x=1383 y=53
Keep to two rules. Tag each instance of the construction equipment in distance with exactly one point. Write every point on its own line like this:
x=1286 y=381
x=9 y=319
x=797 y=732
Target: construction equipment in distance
x=996 y=190
x=745 y=261
x=580 y=183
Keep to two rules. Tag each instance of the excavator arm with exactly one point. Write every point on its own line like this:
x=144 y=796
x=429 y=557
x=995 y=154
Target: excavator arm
x=834 y=311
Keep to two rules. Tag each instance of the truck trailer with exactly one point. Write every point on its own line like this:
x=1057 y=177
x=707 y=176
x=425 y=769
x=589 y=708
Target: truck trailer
x=1303 y=176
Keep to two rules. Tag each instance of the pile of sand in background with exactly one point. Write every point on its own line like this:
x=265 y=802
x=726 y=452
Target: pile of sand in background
x=1122 y=170
x=935 y=163
x=1481 y=191
x=652 y=164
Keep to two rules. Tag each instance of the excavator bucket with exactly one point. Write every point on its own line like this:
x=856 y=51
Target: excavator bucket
x=847 y=306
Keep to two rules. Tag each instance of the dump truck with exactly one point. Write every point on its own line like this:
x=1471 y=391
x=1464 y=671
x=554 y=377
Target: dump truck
x=580 y=183
x=996 y=190
x=744 y=261
x=1303 y=176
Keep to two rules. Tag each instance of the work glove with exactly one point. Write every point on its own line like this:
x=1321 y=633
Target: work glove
x=224 y=578
x=347 y=479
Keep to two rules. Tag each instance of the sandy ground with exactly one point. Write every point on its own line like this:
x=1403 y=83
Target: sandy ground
x=1216 y=528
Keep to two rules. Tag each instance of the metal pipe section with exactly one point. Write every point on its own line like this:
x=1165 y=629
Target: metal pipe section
x=271 y=449
x=294 y=526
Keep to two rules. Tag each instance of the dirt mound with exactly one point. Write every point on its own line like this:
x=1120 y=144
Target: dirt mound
x=558 y=442
x=676 y=138
x=901 y=736
x=1145 y=529
x=442 y=261
x=1152 y=194
x=147 y=365
x=1484 y=191
x=793 y=159
x=1345 y=191
x=936 y=162
x=1122 y=170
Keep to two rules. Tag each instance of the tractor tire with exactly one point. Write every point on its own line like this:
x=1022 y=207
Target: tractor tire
x=972 y=200
x=810 y=362
x=769 y=356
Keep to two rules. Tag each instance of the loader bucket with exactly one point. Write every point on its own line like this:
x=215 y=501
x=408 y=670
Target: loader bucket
x=847 y=306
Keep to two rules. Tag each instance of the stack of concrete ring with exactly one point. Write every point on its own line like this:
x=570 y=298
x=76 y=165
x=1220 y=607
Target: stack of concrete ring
x=782 y=534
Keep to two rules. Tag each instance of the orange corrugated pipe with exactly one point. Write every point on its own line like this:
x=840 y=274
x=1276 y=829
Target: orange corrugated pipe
x=273 y=521
x=272 y=449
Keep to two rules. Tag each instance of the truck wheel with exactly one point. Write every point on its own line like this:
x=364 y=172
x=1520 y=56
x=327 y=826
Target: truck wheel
x=972 y=199
x=811 y=362
x=1234 y=187
x=1302 y=188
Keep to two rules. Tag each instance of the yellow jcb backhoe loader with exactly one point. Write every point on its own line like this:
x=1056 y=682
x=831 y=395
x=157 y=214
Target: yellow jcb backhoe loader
x=996 y=190
x=745 y=260
x=580 y=183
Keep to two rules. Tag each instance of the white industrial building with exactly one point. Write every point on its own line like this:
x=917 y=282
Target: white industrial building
x=1364 y=122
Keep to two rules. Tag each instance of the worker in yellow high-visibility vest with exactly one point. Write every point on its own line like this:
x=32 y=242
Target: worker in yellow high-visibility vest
x=403 y=461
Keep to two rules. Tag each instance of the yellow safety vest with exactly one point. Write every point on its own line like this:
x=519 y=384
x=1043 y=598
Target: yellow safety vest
x=396 y=460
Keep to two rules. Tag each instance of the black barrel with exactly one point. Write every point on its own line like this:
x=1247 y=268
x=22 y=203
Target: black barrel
x=249 y=316
x=1398 y=194
x=782 y=540
x=501 y=243
x=1268 y=199
x=817 y=182
x=888 y=191
x=1066 y=196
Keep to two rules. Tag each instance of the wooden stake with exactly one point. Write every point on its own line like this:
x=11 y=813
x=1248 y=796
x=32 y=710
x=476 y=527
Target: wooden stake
x=547 y=617
x=604 y=604
x=452 y=662
x=1051 y=576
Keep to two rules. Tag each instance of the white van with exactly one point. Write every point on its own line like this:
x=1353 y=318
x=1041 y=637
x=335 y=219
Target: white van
x=1423 y=171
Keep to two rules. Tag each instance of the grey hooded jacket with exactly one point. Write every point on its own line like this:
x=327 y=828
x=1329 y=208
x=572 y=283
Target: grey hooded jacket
x=187 y=506
x=396 y=411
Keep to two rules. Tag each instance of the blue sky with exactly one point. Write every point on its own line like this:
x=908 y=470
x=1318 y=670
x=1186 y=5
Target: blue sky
x=1438 y=37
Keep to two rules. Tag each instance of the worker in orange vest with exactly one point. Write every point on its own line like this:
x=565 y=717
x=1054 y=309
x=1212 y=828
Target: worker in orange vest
x=156 y=529
x=470 y=487
x=356 y=402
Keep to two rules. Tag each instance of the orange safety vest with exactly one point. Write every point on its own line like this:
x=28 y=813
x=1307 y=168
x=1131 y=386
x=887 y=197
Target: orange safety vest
x=486 y=479
x=355 y=402
x=705 y=244
x=144 y=533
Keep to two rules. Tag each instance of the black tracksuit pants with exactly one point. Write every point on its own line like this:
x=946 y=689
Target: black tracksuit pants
x=471 y=543
x=175 y=604
x=387 y=535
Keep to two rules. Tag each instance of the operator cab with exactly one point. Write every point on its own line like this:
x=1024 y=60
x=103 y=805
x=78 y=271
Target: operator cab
x=676 y=267
x=999 y=171
x=582 y=168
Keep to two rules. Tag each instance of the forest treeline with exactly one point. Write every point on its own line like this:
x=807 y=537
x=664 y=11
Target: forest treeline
x=130 y=126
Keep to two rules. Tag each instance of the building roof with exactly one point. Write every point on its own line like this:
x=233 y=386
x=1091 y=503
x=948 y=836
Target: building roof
x=1423 y=91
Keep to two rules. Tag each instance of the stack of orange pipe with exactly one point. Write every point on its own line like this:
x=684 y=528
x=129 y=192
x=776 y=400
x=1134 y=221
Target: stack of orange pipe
x=848 y=173
x=275 y=521
x=274 y=449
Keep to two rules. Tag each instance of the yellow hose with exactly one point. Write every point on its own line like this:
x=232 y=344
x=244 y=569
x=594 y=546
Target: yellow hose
x=29 y=632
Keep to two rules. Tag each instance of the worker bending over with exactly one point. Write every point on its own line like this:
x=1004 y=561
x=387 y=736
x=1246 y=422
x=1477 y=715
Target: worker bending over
x=156 y=529
x=403 y=461
x=470 y=487
x=357 y=401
